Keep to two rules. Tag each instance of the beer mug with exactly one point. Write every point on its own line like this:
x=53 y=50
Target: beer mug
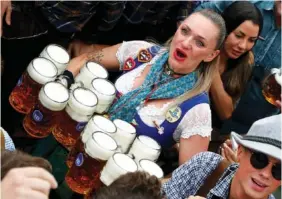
x=105 y=92
x=117 y=165
x=71 y=122
x=52 y=99
x=271 y=86
x=151 y=167
x=125 y=134
x=96 y=123
x=90 y=71
x=25 y=94
x=84 y=174
x=145 y=147
x=58 y=55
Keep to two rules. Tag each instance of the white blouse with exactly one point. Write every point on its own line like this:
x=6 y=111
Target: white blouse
x=197 y=121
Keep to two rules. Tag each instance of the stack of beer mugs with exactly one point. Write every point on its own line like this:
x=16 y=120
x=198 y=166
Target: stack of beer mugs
x=51 y=62
x=78 y=111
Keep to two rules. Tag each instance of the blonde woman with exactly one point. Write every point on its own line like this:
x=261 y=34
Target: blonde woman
x=163 y=89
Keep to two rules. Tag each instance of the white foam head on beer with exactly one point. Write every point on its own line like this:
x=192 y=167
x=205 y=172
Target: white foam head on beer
x=278 y=78
x=124 y=126
x=83 y=101
x=117 y=165
x=149 y=142
x=97 y=70
x=125 y=162
x=58 y=54
x=125 y=134
x=98 y=123
x=105 y=89
x=54 y=96
x=101 y=146
x=42 y=70
x=104 y=124
x=152 y=168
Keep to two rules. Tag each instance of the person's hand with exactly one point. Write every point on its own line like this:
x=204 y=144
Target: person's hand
x=77 y=63
x=27 y=183
x=196 y=197
x=6 y=7
x=227 y=152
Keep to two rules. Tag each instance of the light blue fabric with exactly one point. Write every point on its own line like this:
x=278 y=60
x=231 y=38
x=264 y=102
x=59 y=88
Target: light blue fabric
x=9 y=144
x=252 y=105
x=167 y=87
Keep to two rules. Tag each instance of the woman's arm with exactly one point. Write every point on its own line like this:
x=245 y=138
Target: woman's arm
x=192 y=146
x=222 y=101
x=106 y=57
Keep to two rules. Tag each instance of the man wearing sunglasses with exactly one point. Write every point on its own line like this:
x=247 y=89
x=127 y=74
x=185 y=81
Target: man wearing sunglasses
x=257 y=175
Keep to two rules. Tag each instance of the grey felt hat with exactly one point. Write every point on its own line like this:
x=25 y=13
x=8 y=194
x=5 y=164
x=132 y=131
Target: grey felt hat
x=264 y=136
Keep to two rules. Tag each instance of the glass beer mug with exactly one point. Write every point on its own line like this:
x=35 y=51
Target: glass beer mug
x=52 y=99
x=58 y=55
x=71 y=122
x=125 y=135
x=96 y=123
x=117 y=165
x=90 y=71
x=145 y=147
x=151 y=167
x=84 y=174
x=271 y=86
x=106 y=93
x=25 y=94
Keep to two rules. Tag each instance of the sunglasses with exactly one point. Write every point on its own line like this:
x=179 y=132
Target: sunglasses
x=260 y=161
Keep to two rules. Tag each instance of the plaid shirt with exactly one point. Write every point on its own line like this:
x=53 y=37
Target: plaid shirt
x=189 y=178
x=71 y=16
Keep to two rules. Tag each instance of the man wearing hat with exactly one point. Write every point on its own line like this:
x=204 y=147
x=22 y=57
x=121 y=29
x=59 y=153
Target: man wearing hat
x=257 y=175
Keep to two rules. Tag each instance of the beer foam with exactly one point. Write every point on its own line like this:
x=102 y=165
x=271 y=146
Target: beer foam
x=152 y=168
x=278 y=78
x=97 y=70
x=85 y=96
x=105 y=124
x=124 y=126
x=42 y=70
x=149 y=142
x=105 y=141
x=59 y=54
x=125 y=162
x=104 y=86
x=56 y=92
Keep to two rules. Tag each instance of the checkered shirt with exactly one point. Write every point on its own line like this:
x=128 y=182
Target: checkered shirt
x=189 y=178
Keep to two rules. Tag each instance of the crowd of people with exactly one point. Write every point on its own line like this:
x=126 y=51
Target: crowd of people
x=188 y=74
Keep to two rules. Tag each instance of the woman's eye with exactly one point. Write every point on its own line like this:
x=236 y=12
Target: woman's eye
x=199 y=43
x=238 y=36
x=184 y=31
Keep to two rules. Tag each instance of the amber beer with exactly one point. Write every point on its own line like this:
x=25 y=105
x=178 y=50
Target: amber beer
x=125 y=135
x=271 y=87
x=145 y=147
x=71 y=122
x=25 y=94
x=105 y=92
x=117 y=165
x=58 y=55
x=53 y=98
x=90 y=71
x=96 y=123
x=84 y=174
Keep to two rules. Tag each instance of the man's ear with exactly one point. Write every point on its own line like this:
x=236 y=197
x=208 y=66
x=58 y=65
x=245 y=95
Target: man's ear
x=213 y=55
x=240 y=152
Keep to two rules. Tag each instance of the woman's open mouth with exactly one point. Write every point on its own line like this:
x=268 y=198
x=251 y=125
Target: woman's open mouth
x=179 y=55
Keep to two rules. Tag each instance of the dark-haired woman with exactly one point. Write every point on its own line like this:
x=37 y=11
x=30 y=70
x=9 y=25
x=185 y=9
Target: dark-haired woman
x=243 y=23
